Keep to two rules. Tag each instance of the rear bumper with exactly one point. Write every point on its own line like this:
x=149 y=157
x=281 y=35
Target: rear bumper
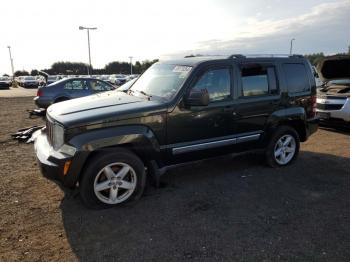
x=311 y=126
x=42 y=102
x=31 y=85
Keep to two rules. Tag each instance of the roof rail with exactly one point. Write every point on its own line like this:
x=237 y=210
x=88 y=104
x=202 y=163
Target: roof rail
x=264 y=55
x=236 y=56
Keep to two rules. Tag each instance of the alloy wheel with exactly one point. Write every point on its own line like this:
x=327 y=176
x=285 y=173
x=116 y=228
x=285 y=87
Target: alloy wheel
x=285 y=149
x=115 y=183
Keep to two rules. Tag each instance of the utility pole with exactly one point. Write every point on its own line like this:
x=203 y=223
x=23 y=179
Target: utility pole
x=291 y=46
x=11 y=59
x=88 y=35
x=130 y=64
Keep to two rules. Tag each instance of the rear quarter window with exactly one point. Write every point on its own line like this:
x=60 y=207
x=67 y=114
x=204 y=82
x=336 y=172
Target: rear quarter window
x=296 y=78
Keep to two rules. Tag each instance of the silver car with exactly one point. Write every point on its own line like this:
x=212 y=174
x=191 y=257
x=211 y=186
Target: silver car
x=333 y=98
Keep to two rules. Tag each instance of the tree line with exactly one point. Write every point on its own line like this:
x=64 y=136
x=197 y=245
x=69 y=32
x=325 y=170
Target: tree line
x=71 y=68
x=317 y=57
x=74 y=68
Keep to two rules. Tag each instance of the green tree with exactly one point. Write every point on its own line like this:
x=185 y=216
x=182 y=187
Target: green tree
x=315 y=58
x=69 y=68
x=21 y=73
x=34 y=72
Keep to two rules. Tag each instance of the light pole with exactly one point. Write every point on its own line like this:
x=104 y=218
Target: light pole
x=130 y=65
x=88 y=34
x=291 y=46
x=13 y=71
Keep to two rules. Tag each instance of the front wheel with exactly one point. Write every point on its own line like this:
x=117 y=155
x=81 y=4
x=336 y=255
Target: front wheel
x=112 y=179
x=283 y=147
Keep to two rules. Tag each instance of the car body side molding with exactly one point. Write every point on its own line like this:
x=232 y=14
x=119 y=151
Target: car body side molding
x=217 y=143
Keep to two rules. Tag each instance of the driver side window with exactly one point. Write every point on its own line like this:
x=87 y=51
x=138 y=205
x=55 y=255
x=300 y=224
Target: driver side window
x=217 y=82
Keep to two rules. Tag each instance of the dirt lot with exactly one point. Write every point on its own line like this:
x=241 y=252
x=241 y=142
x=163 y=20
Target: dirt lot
x=18 y=92
x=230 y=209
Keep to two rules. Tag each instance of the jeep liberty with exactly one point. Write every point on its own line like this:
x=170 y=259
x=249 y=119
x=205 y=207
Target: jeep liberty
x=184 y=110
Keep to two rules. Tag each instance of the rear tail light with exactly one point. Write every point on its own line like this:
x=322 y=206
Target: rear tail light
x=313 y=104
x=39 y=92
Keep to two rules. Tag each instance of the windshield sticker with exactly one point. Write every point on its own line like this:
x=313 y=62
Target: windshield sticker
x=181 y=69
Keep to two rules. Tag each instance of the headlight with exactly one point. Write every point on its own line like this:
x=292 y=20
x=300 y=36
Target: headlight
x=58 y=136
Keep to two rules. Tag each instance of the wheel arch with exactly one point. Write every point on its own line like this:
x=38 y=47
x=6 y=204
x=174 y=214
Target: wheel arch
x=293 y=117
x=138 y=139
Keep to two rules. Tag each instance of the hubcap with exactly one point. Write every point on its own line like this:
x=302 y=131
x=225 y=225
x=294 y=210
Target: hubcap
x=285 y=149
x=115 y=183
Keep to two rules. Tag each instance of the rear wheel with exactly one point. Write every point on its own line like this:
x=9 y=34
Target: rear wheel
x=283 y=147
x=112 y=179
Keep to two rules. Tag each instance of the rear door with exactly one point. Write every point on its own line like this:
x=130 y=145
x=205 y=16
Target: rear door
x=258 y=96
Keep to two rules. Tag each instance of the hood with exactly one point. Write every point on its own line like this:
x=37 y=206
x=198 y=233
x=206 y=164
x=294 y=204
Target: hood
x=334 y=68
x=102 y=107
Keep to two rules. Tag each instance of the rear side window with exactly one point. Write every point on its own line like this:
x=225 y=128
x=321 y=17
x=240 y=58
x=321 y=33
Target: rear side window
x=99 y=86
x=258 y=80
x=76 y=85
x=296 y=77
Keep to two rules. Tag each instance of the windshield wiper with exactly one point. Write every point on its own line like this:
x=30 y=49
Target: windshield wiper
x=141 y=92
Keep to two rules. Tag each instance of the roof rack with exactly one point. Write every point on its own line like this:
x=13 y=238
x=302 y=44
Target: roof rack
x=263 y=56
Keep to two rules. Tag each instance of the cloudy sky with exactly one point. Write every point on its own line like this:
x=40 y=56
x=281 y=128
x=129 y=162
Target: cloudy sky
x=41 y=32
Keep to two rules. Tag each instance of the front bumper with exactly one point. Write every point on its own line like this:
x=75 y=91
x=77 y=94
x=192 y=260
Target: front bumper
x=5 y=85
x=52 y=162
x=342 y=114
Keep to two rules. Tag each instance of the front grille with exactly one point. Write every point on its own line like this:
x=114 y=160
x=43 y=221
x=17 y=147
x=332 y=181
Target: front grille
x=49 y=131
x=329 y=106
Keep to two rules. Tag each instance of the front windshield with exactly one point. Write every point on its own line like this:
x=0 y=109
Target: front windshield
x=29 y=78
x=161 y=80
x=126 y=86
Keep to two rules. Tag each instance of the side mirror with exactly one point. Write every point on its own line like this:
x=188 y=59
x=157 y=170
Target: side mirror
x=197 y=97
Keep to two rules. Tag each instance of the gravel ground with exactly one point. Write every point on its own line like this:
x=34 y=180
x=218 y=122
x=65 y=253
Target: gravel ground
x=18 y=92
x=228 y=209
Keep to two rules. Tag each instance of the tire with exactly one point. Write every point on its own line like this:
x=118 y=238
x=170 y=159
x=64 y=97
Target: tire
x=99 y=188
x=283 y=147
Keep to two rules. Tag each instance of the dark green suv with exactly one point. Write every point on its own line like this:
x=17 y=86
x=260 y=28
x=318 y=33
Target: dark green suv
x=108 y=144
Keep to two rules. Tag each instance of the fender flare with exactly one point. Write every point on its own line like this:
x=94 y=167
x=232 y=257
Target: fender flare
x=140 y=139
x=294 y=116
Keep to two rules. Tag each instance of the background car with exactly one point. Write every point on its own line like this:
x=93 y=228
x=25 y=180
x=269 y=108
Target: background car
x=69 y=88
x=5 y=82
x=333 y=98
x=29 y=82
x=319 y=82
x=126 y=86
x=52 y=79
x=118 y=79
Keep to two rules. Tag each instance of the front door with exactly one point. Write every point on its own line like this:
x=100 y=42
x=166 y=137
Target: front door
x=196 y=128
